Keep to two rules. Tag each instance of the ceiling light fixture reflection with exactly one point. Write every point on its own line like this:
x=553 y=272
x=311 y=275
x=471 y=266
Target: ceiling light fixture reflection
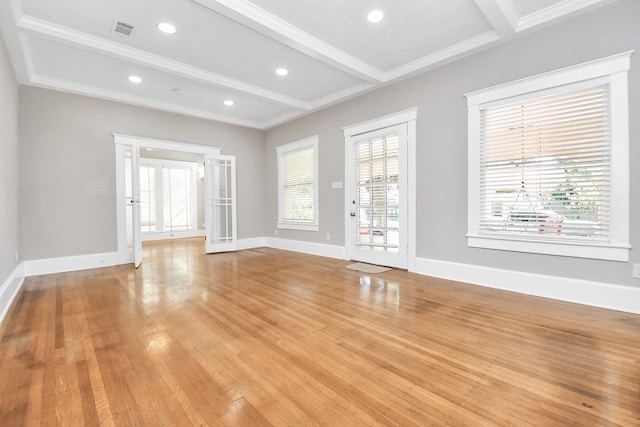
x=228 y=102
x=282 y=71
x=135 y=79
x=375 y=16
x=165 y=27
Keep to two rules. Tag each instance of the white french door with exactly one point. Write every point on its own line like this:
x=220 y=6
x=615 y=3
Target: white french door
x=137 y=235
x=378 y=197
x=220 y=204
x=130 y=181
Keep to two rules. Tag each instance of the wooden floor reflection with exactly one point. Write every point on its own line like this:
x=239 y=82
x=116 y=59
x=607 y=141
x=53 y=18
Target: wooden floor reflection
x=269 y=337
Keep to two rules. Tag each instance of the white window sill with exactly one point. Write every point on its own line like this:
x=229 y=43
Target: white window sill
x=298 y=226
x=591 y=250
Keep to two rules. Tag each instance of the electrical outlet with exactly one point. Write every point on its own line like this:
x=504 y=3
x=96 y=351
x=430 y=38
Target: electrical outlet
x=17 y=257
x=636 y=271
x=275 y=232
x=328 y=236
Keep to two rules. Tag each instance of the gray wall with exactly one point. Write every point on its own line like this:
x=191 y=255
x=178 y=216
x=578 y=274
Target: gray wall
x=442 y=141
x=8 y=166
x=67 y=173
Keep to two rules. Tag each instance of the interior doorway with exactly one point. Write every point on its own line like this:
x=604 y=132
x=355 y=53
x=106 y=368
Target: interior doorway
x=133 y=194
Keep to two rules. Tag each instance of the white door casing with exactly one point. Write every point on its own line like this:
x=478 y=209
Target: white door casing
x=380 y=220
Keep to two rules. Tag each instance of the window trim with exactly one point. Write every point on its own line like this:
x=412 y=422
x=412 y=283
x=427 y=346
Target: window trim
x=613 y=71
x=282 y=151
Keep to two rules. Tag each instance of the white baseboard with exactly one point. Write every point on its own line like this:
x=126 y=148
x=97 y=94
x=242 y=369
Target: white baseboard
x=250 y=243
x=70 y=263
x=320 y=249
x=167 y=235
x=596 y=294
x=10 y=288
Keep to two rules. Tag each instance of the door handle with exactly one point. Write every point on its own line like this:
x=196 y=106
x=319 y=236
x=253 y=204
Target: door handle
x=353 y=214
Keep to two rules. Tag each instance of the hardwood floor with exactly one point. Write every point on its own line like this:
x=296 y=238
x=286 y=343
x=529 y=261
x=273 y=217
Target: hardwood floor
x=269 y=337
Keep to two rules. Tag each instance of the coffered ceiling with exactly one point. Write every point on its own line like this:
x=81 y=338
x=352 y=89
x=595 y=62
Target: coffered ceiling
x=229 y=50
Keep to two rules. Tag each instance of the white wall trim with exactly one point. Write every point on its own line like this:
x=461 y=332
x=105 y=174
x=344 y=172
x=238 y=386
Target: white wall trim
x=320 y=249
x=37 y=267
x=140 y=101
x=252 y=243
x=10 y=288
x=586 y=292
x=168 y=235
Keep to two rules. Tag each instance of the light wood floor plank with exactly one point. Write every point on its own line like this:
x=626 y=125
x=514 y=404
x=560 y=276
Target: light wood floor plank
x=268 y=337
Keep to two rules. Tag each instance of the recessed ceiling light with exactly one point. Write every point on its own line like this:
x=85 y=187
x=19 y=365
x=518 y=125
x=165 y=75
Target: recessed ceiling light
x=282 y=71
x=228 y=102
x=135 y=79
x=165 y=27
x=375 y=16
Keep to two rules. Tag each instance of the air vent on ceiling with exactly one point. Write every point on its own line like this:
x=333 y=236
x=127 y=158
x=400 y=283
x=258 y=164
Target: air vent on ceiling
x=122 y=28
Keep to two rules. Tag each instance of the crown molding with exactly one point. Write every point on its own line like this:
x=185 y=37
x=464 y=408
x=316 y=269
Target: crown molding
x=112 y=95
x=448 y=54
x=563 y=10
x=284 y=118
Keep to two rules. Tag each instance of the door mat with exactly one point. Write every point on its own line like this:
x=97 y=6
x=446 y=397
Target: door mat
x=367 y=268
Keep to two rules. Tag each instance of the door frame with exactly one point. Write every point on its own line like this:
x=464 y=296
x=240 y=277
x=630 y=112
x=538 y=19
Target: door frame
x=408 y=117
x=121 y=141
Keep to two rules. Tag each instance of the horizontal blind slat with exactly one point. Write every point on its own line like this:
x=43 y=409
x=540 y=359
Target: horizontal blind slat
x=545 y=166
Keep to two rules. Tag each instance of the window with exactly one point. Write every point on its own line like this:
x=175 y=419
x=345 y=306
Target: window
x=548 y=163
x=298 y=185
x=147 y=198
x=168 y=195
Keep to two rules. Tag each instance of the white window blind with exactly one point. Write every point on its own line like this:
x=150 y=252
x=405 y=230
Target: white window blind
x=298 y=192
x=299 y=186
x=546 y=166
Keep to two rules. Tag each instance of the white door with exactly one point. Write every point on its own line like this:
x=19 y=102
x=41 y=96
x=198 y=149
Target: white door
x=220 y=203
x=135 y=204
x=378 y=204
x=128 y=178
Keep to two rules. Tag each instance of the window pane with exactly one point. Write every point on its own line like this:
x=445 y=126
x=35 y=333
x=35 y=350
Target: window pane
x=546 y=166
x=147 y=198
x=298 y=186
x=177 y=199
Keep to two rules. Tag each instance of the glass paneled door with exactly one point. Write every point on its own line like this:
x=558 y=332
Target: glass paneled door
x=378 y=210
x=220 y=207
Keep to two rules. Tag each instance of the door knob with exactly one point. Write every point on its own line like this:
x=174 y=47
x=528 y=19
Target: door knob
x=353 y=214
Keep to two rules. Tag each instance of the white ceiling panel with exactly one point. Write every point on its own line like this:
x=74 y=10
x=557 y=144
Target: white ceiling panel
x=88 y=69
x=204 y=39
x=230 y=49
x=410 y=29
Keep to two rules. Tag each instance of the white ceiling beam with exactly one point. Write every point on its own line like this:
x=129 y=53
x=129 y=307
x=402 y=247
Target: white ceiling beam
x=88 y=41
x=501 y=14
x=258 y=19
